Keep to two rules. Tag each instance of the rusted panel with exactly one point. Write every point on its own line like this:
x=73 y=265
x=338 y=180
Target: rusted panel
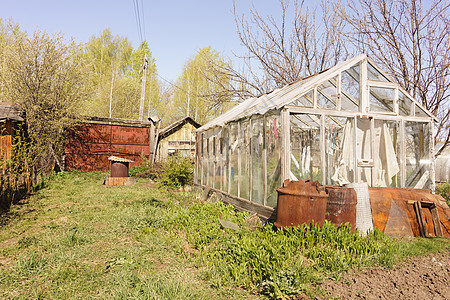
x=300 y=202
x=129 y=135
x=89 y=145
x=380 y=199
x=341 y=206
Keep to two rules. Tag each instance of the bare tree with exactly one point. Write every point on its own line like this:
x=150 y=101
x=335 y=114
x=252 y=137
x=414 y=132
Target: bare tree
x=412 y=42
x=285 y=50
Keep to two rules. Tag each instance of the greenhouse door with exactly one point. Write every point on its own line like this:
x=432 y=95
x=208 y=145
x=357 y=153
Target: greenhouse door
x=377 y=156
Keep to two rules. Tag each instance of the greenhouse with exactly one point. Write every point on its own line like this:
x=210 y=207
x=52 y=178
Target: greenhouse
x=348 y=124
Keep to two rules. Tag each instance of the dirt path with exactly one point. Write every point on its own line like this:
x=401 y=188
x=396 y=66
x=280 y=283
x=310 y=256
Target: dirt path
x=418 y=278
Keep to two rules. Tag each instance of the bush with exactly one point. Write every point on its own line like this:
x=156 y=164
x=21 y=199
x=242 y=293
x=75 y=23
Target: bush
x=178 y=171
x=146 y=170
x=444 y=191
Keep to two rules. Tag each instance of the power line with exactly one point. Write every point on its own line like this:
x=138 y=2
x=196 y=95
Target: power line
x=143 y=19
x=138 y=18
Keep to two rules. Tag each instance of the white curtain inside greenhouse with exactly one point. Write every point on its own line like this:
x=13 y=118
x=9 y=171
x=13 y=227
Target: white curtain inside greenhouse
x=379 y=162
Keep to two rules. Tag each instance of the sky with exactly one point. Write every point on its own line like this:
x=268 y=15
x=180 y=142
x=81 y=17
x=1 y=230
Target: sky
x=175 y=30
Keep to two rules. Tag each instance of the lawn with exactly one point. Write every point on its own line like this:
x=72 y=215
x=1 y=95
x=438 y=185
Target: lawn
x=76 y=238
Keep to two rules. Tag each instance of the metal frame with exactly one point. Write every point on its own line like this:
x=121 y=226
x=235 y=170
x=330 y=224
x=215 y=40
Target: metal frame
x=280 y=100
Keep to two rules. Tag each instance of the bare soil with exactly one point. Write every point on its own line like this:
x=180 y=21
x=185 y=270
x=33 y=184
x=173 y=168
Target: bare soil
x=425 y=277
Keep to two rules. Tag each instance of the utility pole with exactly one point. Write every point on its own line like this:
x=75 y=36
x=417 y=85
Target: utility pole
x=111 y=94
x=144 y=79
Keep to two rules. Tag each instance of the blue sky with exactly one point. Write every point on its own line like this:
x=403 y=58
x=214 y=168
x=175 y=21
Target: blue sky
x=175 y=30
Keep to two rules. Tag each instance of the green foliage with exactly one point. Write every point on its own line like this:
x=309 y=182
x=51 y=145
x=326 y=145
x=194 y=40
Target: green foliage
x=146 y=169
x=116 y=74
x=18 y=170
x=45 y=76
x=444 y=190
x=78 y=239
x=136 y=170
x=178 y=171
x=203 y=91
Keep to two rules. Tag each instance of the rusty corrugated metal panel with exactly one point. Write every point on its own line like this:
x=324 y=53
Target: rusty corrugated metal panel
x=89 y=145
x=300 y=202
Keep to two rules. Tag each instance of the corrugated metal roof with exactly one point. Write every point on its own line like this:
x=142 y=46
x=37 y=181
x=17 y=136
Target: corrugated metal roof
x=119 y=159
x=276 y=98
x=10 y=112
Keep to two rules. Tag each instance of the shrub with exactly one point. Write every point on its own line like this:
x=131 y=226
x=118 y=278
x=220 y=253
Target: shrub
x=444 y=191
x=146 y=169
x=178 y=171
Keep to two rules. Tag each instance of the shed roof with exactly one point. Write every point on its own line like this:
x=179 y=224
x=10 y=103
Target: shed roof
x=280 y=97
x=10 y=112
x=168 y=130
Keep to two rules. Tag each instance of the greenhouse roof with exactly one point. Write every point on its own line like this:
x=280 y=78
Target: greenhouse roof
x=283 y=96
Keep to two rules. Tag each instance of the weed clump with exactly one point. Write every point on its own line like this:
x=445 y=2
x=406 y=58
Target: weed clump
x=444 y=191
x=178 y=172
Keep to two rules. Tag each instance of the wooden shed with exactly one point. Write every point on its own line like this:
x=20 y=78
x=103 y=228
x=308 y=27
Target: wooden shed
x=10 y=116
x=177 y=138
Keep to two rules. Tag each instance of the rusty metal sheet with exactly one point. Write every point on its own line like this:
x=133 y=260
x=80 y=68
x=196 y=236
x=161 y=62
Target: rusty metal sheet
x=380 y=199
x=341 y=206
x=89 y=145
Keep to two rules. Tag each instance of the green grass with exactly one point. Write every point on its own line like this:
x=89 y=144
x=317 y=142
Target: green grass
x=76 y=238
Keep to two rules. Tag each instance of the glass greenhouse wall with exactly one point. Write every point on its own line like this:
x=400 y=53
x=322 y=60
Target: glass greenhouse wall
x=348 y=124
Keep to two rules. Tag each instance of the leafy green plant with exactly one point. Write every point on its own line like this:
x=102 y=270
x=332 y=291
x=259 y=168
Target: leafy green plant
x=178 y=171
x=444 y=190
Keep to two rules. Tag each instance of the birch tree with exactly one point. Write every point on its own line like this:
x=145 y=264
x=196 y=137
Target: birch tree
x=202 y=91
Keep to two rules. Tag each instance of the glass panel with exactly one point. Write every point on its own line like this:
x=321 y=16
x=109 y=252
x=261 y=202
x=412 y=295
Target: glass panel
x=305 y=147
x=420 y=112
x=244 y=171
x=234 y=159
x=417 y=145
x=225 y=158
x=273 y=144
x=404 y=104
x=205 y=158
x=374 y=74
x=211 y=167
x=339 y=149
x=306 y=100
x=350 y=89
x=327 y=94
x=390 y=148
x=217 y=161
x=381 y=99
x=257 y=144
x=349 y=104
